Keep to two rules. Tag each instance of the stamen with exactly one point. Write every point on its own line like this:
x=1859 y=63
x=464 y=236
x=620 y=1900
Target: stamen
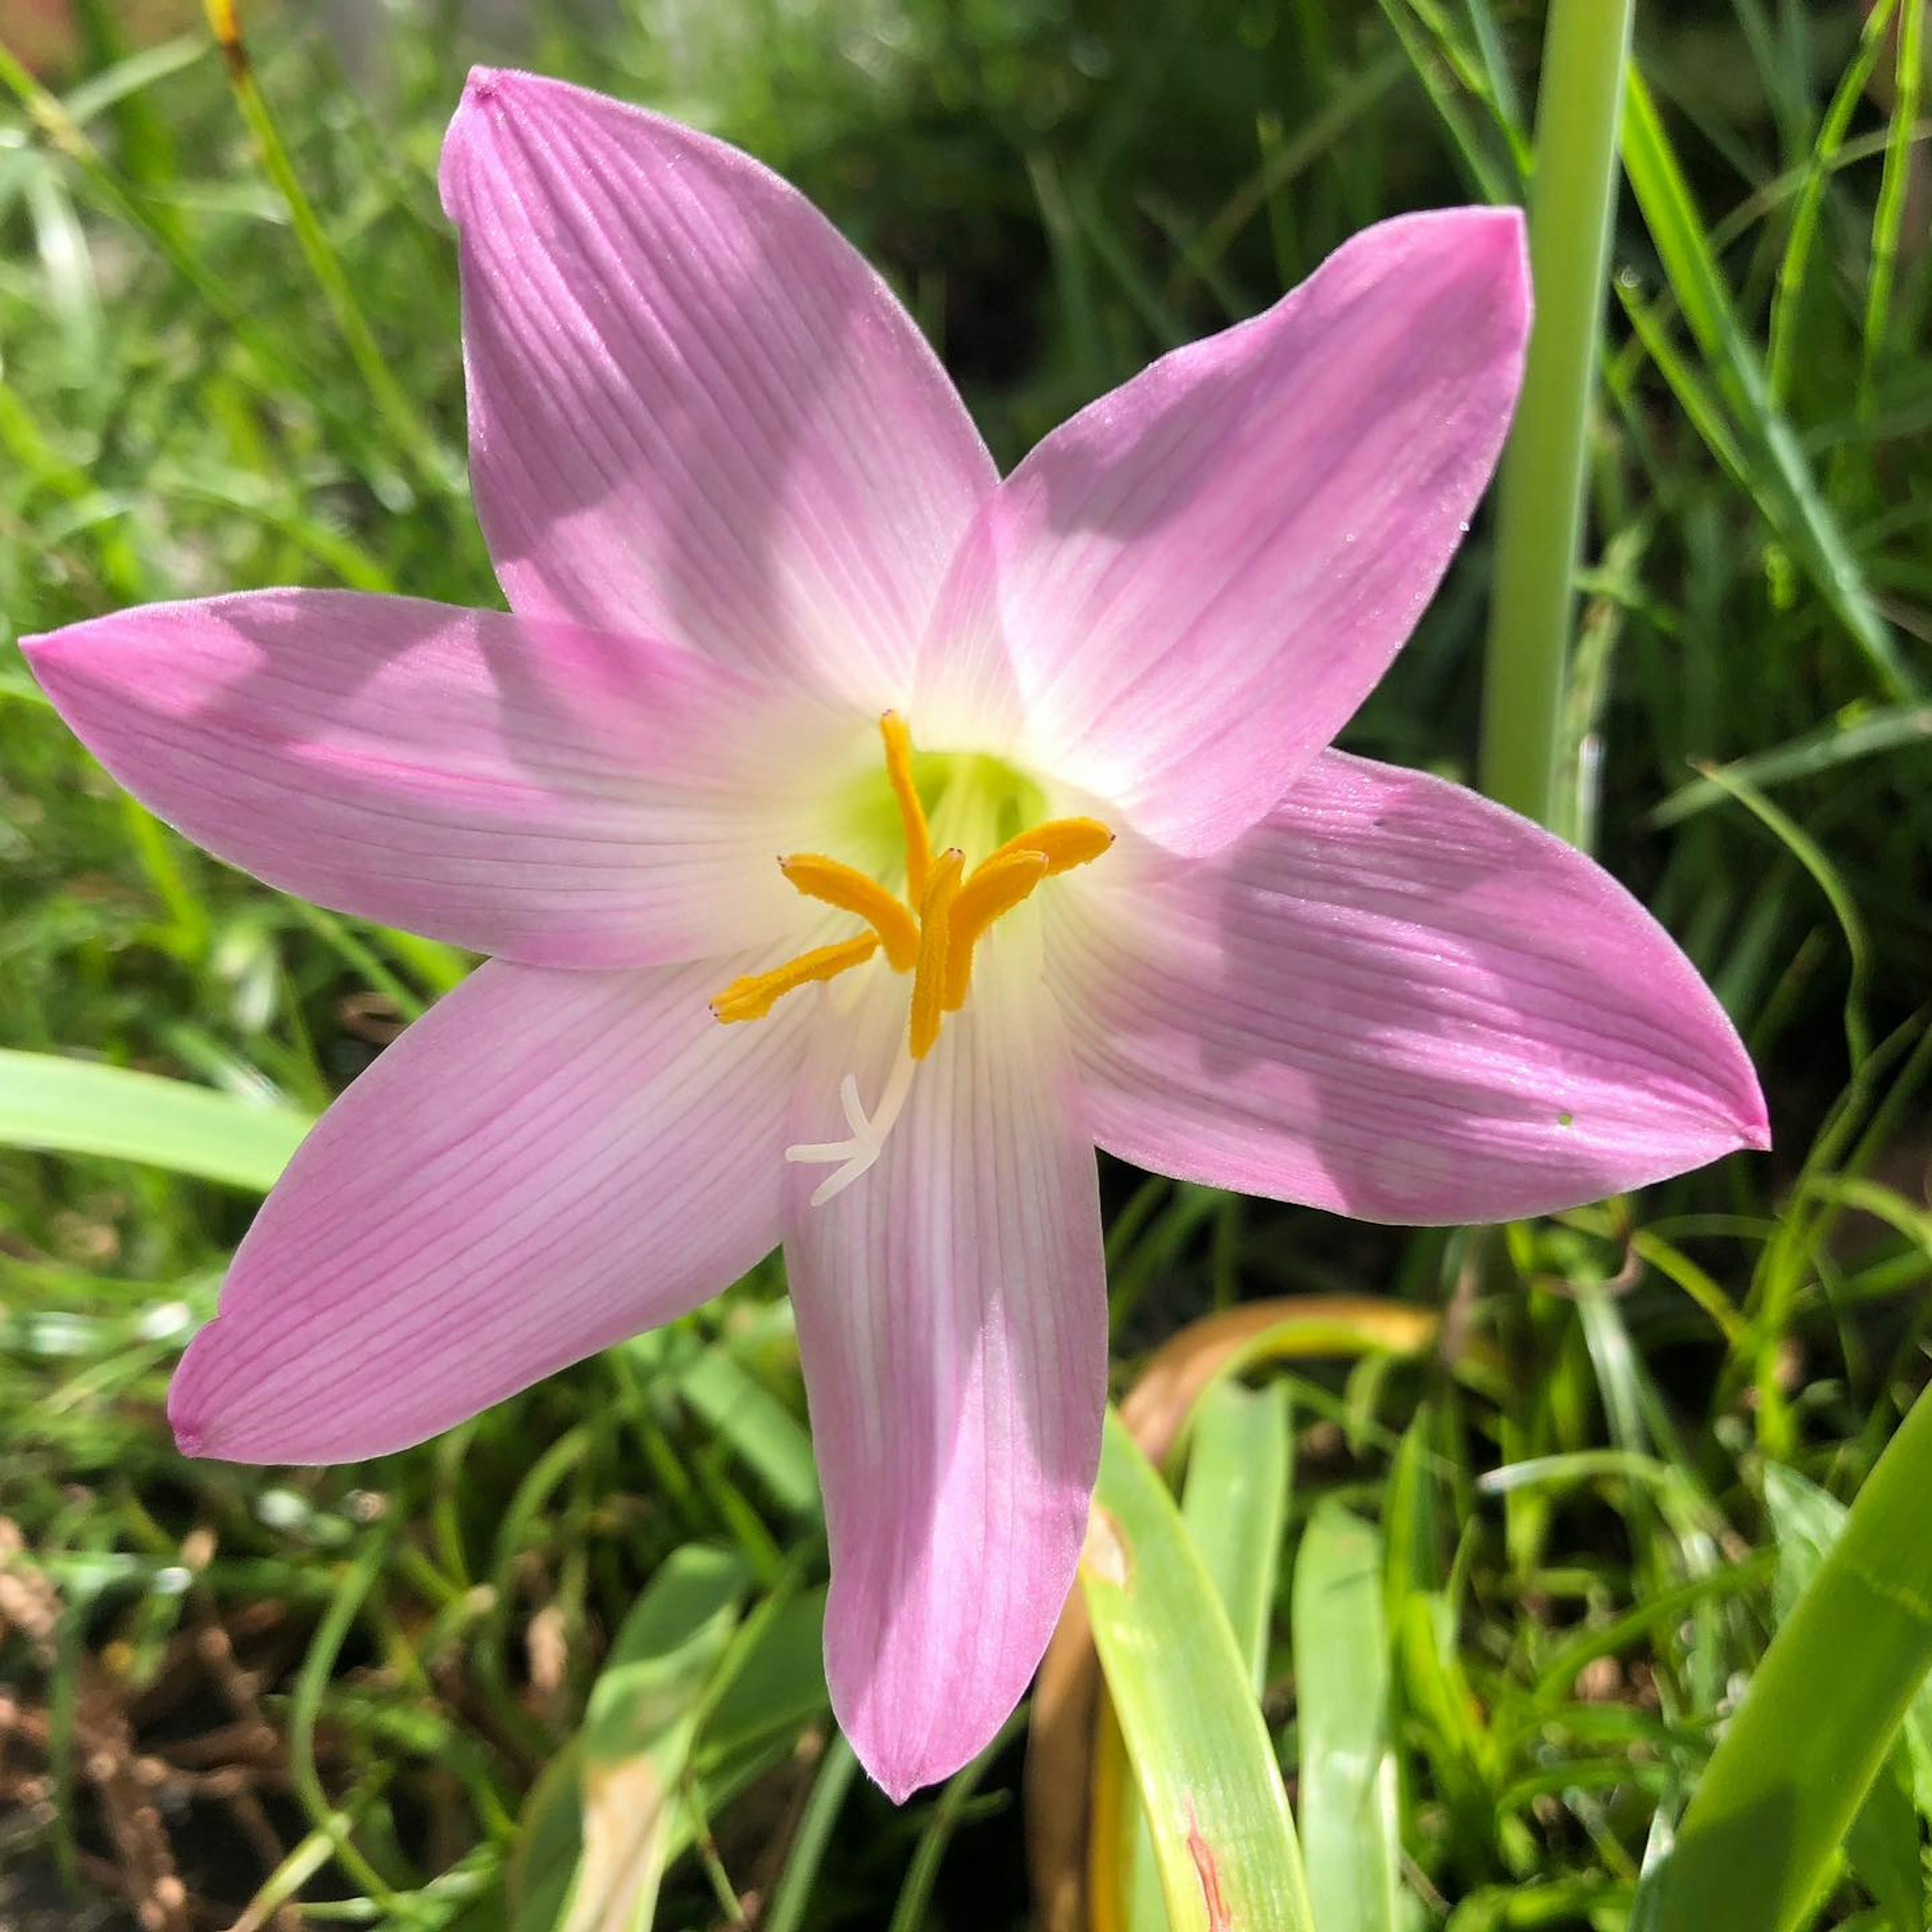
x=1066 y=843
x=850 y=890
x=868 y=1141
x=929 y=979
x=995 y=887
x=930 y=933
x=753 y=996
x=898 y=735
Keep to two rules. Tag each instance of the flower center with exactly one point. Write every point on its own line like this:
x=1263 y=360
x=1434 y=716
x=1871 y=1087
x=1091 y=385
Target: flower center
x=930 y=932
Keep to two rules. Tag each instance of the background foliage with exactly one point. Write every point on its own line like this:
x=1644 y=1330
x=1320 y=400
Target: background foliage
x=1531 y=1501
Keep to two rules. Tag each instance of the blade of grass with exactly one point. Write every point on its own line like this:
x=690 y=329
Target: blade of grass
x=1891 y=728
x=792 y=1893
x=1889 y=217
x=1202 y=1759
x=1779 y=477
x=77 y=1106
x=1775 y=1802
x=1351 y=1822
x=1794 y=269
x=1234 y=1505
x=411 y=433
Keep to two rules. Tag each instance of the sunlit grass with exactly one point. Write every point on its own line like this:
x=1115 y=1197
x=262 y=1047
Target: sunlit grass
x=367 y=1690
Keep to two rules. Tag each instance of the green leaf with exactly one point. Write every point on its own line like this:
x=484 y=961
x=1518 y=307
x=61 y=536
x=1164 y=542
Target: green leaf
x=1223 y=1840
x=749 y=1416
x=1234 y=1506
x=596 y=1835
x=1781 y=1791
x=58 y=1105
x=1883 y=1842
x=1349 y=1819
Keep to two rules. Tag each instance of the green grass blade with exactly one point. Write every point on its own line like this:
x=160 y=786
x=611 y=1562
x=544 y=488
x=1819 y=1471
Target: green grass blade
x=1794 y=270
x=1883 y=1844
x=78 y=1106
x=1234 y=1506
x=1891 y=728
x=413 y=434
x=1239 y=1462
x=1888 y=218
x=1350 y=1818
x=1781 y=1791
x=1223 y=1840
x=1780 y=476
x=752 y=1420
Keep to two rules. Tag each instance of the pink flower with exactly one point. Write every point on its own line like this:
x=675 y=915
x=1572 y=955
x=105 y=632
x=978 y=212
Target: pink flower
x=742 y=518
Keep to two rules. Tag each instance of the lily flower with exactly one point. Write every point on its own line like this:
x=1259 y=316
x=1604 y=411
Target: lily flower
x=861 y=838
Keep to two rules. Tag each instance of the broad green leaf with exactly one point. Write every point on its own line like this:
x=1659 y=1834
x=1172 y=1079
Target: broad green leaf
x=1780 y=1794
x=1234 y=1505
x=598 y=1828
x=1883 y=1842
x=1223 y=1840
x=1350 y=1825
x=57 y=1105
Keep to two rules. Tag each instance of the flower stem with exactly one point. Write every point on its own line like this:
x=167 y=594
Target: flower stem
x=1540 y=503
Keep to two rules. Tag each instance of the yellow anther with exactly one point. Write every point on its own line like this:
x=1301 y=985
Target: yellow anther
x=929 y=979
x=1063 y=842
x=835 y=883
x=755 y=995
x=995 y=887
x=932 y=931
x=893 y=729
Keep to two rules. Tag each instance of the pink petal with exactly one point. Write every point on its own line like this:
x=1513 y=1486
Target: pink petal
x=1228 y=551
x=536 y=790
x=953 y=1319
x=694 y=410
x=1396 y=1000
x=545 y=1163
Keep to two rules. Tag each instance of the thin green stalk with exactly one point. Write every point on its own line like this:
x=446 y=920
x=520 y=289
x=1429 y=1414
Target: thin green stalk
x=1889 y=221
x=1794 y=269
x=793 y=1891
x=1541 y=504
x=412 y=433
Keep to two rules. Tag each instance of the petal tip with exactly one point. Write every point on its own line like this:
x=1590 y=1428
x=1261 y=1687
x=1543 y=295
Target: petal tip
x=193 y=1417
x=897 y=1772
x=193 y=1436
x=44 y=657
x=486 y=92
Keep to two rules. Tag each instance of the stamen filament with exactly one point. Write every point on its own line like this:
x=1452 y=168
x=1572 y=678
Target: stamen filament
x=835 y=883
x=929 y=979
x=1065 y=842
x=753 y=996
x=898 y=735
x=995 y=887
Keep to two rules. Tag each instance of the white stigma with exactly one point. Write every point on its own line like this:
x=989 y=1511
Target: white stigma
x=854 y=1156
